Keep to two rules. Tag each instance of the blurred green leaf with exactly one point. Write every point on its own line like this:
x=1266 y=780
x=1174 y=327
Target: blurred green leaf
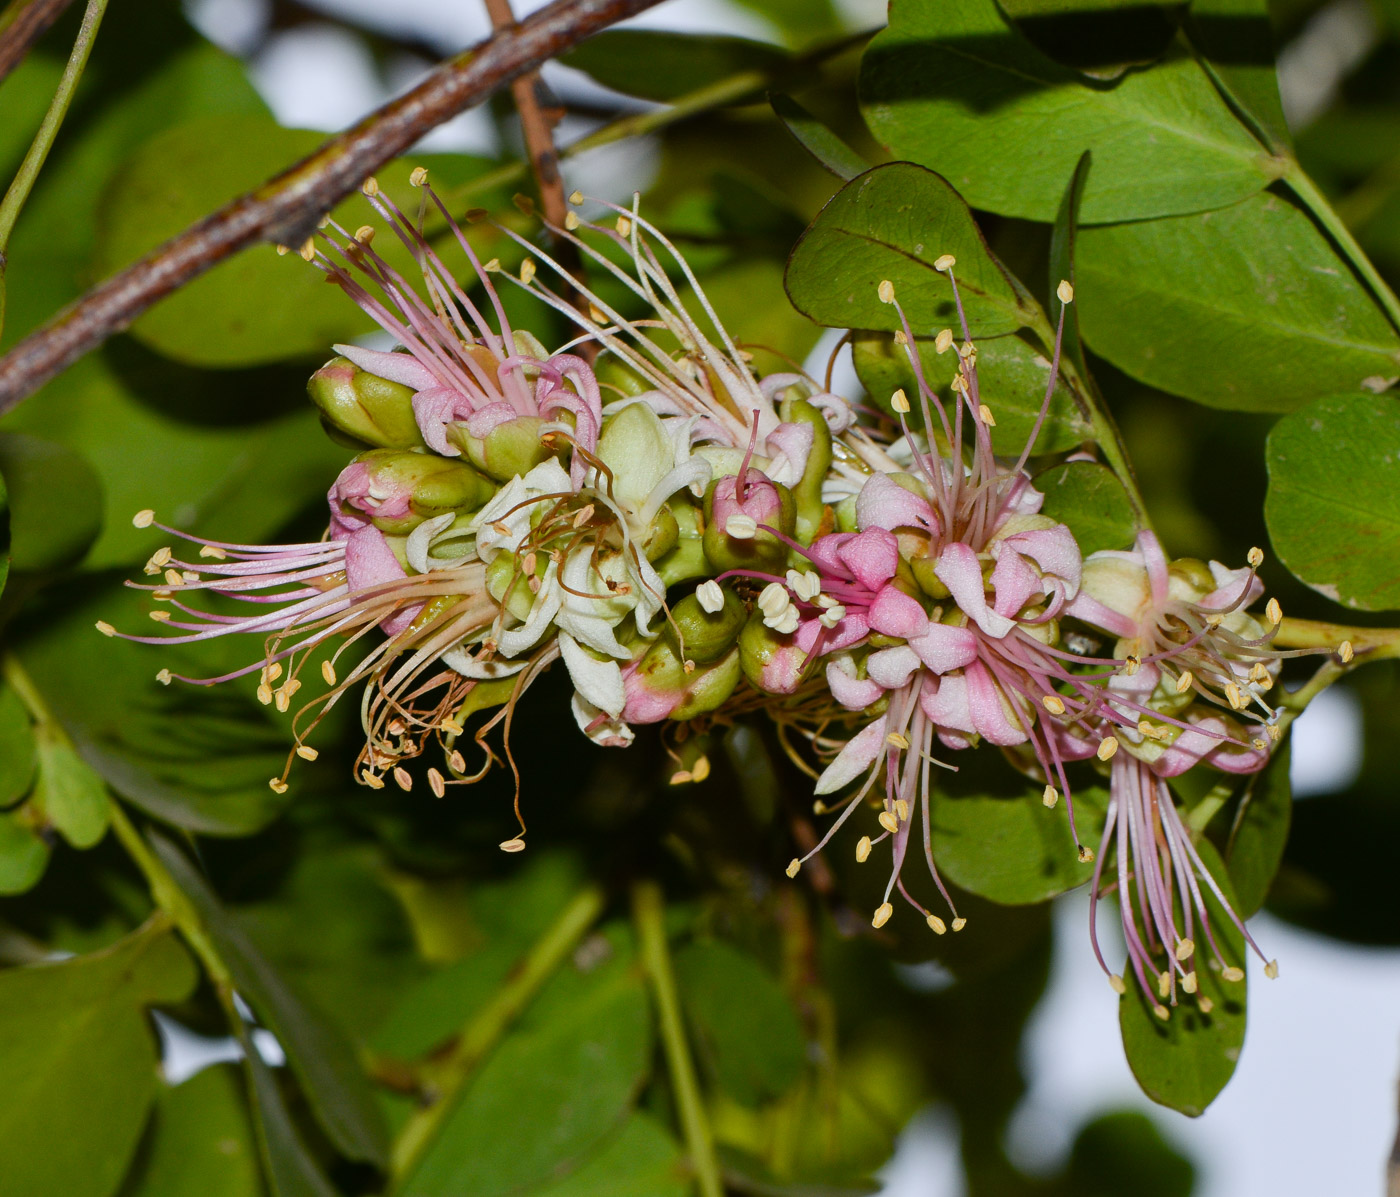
x=1247 y=308
x=1124 y=1152
x=4 y=493
x=1260 y=832
x=819 y=140
x=290 y=1169
x=70 y=794
x=322 y=1059
x=18 y=751
x=572 y=1068
x=1185 y=1060
x=24 y=852
x=892 y=223
x=1012 y=376
x=802 y=20
x=78 y=1062
x=659 y=65
x=55 y=502
x=1333 y=506
x=1090 y=500
x=1014 y=850
x=641 y=1160
x=951 y=85
x=746 y=1032
x=200 y=1142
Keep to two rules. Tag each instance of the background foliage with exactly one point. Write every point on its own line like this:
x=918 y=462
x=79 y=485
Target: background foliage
x=458 y=1022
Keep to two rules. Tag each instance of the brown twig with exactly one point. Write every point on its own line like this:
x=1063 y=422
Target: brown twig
x=21 y=25
x=285 y=209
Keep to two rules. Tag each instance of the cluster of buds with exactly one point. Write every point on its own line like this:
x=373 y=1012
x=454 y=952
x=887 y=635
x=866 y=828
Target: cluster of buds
x=697 y=544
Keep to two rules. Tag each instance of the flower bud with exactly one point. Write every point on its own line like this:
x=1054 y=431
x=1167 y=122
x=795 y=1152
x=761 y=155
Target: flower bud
x=510 y=449
x=366 y=409
x=770 y=660
x=702 y=636
x=686 y=558
x=755 y=503
x=398 y=490
x=660 y=688
x=615 y=375
x=807 y=492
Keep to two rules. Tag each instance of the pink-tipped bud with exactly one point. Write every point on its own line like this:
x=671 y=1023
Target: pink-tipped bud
x=753 y=503
x=398 y=490
x=363 y=409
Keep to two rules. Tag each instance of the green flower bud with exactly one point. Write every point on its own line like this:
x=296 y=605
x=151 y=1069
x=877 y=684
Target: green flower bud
x=705 y=636
x=710 y=687
x=509 y=450
x=734 y=510
x=687 y=558
x=635 y=448
x=401 y=489
x=770 y=660
x=364 y=408
x=807 y=494
x=618 y=376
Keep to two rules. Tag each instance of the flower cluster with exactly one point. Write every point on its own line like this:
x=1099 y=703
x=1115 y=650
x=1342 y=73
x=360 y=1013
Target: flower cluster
x=695 y=542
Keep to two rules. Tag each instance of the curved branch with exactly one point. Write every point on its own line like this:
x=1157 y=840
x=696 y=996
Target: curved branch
x=285 y=209
x=20 y=28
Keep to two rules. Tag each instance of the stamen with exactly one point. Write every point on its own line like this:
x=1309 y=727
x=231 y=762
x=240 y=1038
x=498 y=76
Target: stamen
x=882 y=916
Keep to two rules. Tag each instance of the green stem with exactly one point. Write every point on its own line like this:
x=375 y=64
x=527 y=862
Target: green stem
x=53 y=118
x=649 y=913
x=1317 y=203
x=1372 y=643
x=487 y=1027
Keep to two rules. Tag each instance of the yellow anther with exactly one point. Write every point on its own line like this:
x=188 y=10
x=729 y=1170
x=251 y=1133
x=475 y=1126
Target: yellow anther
x=945 y=262
x=1161 y=1012
x=576 y=198
x=160 y=616
x=1183 y=683
x=284 y=701
x=1050 y=796
x=898 y=739
x=144 y=518
x=901 y=810
x=1116 y=984
x=571 y=221
x=159 y=559
x=277 y=785
x=680 y=777
x=306 y=752
x=1259 y=672
x=1255 y=557
x=1234 y=697
x=1065 y=291
x=959 y=923
x=370 y=186
x=283 y=250
x=1274 y=612
x=888 y=821
x=212 y=552
x=418 y=176
x=1107 y=747
x=265 y=694
x=436 y=783
x=105 y=628
x=328 y=672
x=1271 y=970
x=1231 y=973
x=943 y=341
x=901 y=337
x=1164 y=983
x=624 y=226
x=515 y=845
x=1346 y=652
x=793 y=866
x=271 y=672
x=885 y=291
x=164 y=677
x=985 y=414
x=882 y=916
x=701 y=769
x=173 y=578
x=863 y=850
x=527 y=270
x=936 y=925
x=1053 y=703
x=1188 y=982
x=1086 y=855
x=307 y=250
x=1184 y=948
x=819 y=807
x=373 y=780
x=364 y=234
x=900 y=402
x=1131 y=664
x=1204 y=1004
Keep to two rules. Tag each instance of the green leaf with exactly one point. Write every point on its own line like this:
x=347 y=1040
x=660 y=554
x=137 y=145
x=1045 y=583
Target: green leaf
x=55 y=502
x=818 y=139
x=1333 y=505
x=1237 y=39
x=4 y=493
x=1012 y=375
x=78 y=1062
x=321 y=1057
x=641 y=1160
x=24 y=852
x=892 y=223
x=658 y=65
x=18 y=751
x=1184 y=1061
x=200 y=1141
x=1124 y=1152
x=1246 y=308
x=291 y=1170
x=1062 y=239
x=951 y=85
x=1260 y=833
x=571 y=1068
x=70 y=794
x=745 y=1029
x=1015 y=850
x=1090 y=500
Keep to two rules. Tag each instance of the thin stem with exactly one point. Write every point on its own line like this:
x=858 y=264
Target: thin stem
x=1317 y=203
x=58 y=108
x=1372 y=643
x=649 y=913
x=487 y=1027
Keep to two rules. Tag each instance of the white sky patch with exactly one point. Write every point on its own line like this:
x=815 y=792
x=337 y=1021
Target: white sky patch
x=1327 y=744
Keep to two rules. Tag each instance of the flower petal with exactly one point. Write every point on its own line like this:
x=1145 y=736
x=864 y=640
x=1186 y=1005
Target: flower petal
x=598 y=681
x=859 y=754
x=851 y=692
x=883 y=503
x=943 y=648
x=892 y=667
x=402 y=368
x=894 y=613
x=961 y=572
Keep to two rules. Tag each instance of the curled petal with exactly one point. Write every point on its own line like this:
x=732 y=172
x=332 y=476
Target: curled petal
x=883 y=503
x=600 y=682
x=892 y=667
x=402 y=368
x=853 y=760
x=872 y=557
x=894 y=613
x=1212 y=740
x=944 y=700
x=788 y=446
x=961 y=572
x=943 y=648
x=990 y=716
x=1015 y=583
x=851 y=692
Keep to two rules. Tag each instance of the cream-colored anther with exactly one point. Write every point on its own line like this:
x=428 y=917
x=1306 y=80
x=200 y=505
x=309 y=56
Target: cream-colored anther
x=1107 y=747
x=1053 y=703
x=710 y=597
x=1274 y=612
x=1116 y=984
x=1183 y=683
x=1188 y=982
x=863 y=850
x=943 y=341
x=958 y=924
x=944 y=262
x=1086 y=855
x=1346 y=652
x=1271 y=970
x=888 y=821
x=984 y=413
x=882 y=916
x=1255 y=557
x=165 y=677
x=936 y=925
x=1161 y=1012
x=1065 y=292
x=885 y=291
x=793 y=866
x=898 y=740
x=741 y=527
x=900 y=402
x=1184 y=948
x=1231 y=973
x=576 y=198
x=143 y=519
x=306 y=752
x=277 y=785
x=1050 y=796
x=515 y=845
